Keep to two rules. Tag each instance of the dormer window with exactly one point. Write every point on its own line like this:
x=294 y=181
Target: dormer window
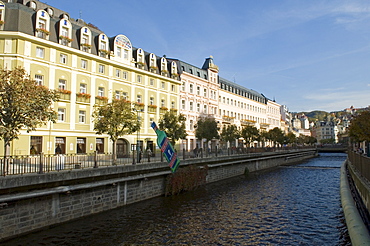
x=152 y=63
x=103 y=45
x=65 y=32
x=122 y=49
x=42 y=24
x=50 y=12
x=164 y=70
x=85 y=42
x=174 y=69
x=33 y=5
x=140 y=56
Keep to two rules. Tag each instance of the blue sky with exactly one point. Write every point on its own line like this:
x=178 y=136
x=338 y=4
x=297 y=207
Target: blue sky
x=308 y=55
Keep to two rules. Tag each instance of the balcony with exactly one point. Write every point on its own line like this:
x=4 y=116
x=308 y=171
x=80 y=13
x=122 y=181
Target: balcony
x=152 y=108
x=83 y=97
x=228 y=119
x=163 y=110
x=100 y=100
x=64 y=95
x=247 y=122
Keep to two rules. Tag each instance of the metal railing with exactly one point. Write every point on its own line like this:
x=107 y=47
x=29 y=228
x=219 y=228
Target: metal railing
x=43 y=163
x=361 y=163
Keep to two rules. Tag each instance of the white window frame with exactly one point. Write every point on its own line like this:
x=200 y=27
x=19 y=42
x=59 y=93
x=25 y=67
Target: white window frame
x=101 y=91
x=40 y=52
x=83 y=64
x=63 y=58
x=61 y=114
x=101 y=68
x=83 y=88
x=39 y=79
x=62 y=84
x=82 y=116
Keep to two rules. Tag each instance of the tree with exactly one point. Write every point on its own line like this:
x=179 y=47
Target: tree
x=23 y=104
x=276 y=135
x=115 y=119
x=250 y=134
x=174 y=126
x=291 y=138
x=229 y=133
x=206 y=129
x=359 y=129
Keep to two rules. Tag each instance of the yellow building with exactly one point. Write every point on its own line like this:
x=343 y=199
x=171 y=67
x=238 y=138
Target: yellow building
x=88 y=68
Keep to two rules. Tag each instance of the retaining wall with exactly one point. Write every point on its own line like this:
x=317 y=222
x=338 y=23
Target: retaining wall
x=31 y=202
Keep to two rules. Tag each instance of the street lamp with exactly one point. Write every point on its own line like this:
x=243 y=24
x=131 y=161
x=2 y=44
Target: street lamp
x=138 y=134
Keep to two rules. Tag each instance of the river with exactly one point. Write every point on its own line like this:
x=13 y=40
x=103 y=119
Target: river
x=291 y=205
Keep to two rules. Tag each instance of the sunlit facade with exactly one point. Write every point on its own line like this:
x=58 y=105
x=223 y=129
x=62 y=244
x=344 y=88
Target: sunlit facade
x=87 y=68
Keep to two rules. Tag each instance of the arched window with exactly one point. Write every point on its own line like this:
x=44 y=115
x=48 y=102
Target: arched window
x=173 y=68
x=152 y=61
x=122 y=49
x=85 y=42
x=103 y=45
x=65 y=32
x=33 y=5
x=140 y=56
x=42 y=24
x=50 y=12
x=163 y=64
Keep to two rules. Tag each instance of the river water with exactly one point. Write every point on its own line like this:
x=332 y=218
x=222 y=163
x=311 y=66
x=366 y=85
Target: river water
x=293 y=205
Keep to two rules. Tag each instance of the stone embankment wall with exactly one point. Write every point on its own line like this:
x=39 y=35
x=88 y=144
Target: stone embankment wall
x=31 y=202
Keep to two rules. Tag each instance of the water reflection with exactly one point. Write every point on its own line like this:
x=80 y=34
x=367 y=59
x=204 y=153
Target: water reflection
x=285 y=206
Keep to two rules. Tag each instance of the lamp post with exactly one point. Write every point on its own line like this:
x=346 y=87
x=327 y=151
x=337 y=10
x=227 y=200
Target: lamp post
x=138 y=135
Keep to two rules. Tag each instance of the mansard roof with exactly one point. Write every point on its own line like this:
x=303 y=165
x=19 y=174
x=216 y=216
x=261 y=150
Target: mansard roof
x=240 y=90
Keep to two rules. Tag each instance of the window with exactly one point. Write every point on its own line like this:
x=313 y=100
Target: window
x=172 y=87
x=124 y=95
x=191 y=125
x=41 y=31
x=172 y=105
x=125 y=54
x=162 y=103
x=82 y=116
x=33 y=5
x=151 y=100
x=118 y=73
x=124 y=75
x=183 y=104
x=39 y=79
x=119 y=52
x=81 y=145
x=139 y=79
x=151 y=82
x=205 y=109
x=36 y=145
x=101 y=68
x=198 y=107
x=191 y=106
x=138 y=98
x=62 y=85
x=183 y=86
x=191 y=88
x=83 y=88
x=118 y=95
x=162 y=85
x=61 y=114
x=198 y=90
x=63 y=58
x=101 y=91
x=40 y=52
x=205 y=93
x=83 y=64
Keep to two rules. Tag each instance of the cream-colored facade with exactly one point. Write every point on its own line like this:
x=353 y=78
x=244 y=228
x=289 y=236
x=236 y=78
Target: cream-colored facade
x=87 y=68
